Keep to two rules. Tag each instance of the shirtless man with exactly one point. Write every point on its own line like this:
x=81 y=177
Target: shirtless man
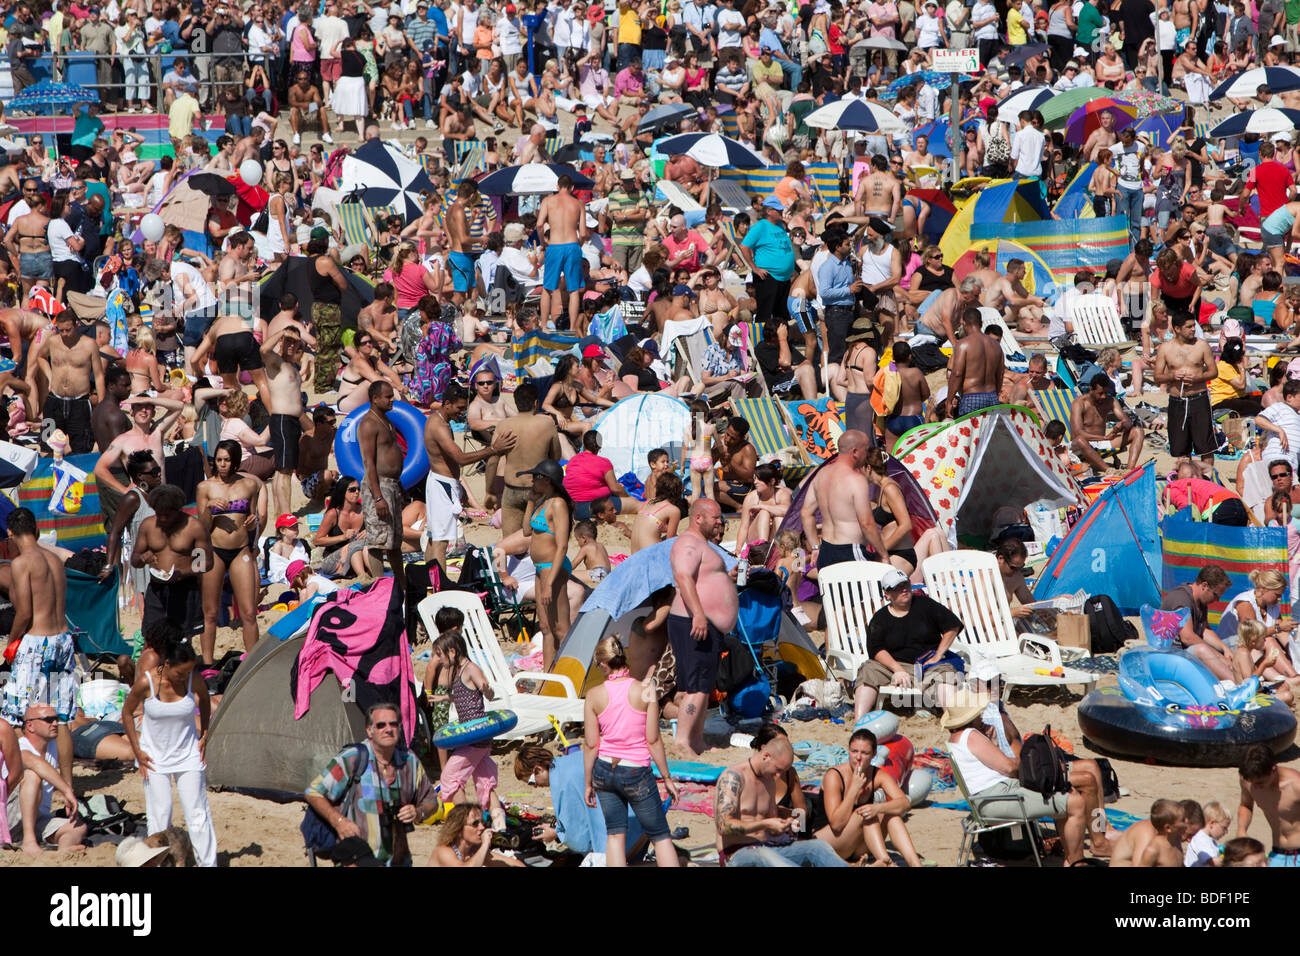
x=381 y=485
x=457 y=125
x=703 y=611
x=913 y=390
x=1277 y=791
x=442 y=486
x=143 y=435
x=879 y=193
x=1009 y=296
x=280 y=354
x=38 y=588
x=752 y=829
x=1088 y=419
x=535 y=438
x=738 y=457
x=29 y=245
x=1157 y=841
x=563 y=245
x=314 y=450
x=107 y=420
x=75 y=368
x=305 y=102
x=237 y=272
x=938 y=319
x=1185 y=20
x=176 y=549
x=1017 y=388
x=529 y=148
x=249 y=147
x=847 y=523
x=1186 y=365
x=379 y=318
x=1103 y=137
x=976 y=367
x=487 y=409
x=460 y=262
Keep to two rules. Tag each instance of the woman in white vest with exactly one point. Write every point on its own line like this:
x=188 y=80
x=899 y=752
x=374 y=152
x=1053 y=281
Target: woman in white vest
x=1260 y=603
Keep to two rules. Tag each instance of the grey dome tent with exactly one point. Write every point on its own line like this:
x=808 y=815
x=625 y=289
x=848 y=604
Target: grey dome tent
x=254 y=744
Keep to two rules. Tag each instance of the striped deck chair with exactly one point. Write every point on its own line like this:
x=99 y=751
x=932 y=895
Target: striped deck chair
x=688 y=359
x=738 y=264
x=536 y=346
x=1056 y=403
x=729 y=125
x=468 y=157
x=429 y=162
x=730 y=194
x=772 y=437
x=553 y=142
x=354 y=218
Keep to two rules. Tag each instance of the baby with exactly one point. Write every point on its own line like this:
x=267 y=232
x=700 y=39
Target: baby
x=1205 y=828
x=1255 y=656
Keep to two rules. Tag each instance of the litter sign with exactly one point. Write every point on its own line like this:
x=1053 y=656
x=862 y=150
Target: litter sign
x=955 y=61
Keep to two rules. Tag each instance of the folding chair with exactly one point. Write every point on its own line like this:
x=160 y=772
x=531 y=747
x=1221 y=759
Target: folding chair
x=1055 y=403
x=688 y=352
x=354 y=218
x=469 y=156
x=503 y=605
x=678 y=196
x=740 y=267
x=975 y=823
x=1096 y=322
x=730 y=195
x=553 y=142
x=771 y=435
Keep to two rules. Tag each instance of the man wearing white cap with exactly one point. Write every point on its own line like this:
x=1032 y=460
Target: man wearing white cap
x=524 y=267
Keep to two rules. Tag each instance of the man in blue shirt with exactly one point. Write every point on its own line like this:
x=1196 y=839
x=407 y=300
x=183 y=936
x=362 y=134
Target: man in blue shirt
x=838 y=290
x=770 y=38
x=767 y=250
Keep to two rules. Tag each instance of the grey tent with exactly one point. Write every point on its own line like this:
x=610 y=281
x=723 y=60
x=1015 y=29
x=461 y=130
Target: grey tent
x=255 y=744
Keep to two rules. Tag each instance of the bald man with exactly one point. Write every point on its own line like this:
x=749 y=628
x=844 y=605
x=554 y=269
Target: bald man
x=703 y=611
x=840 y=491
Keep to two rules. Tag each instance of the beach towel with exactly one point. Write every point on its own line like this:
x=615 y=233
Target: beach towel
x=91 y=610
x=885 y=388
x=359 y=637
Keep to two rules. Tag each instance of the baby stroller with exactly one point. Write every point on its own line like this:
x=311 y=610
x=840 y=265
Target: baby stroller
x=758 y=623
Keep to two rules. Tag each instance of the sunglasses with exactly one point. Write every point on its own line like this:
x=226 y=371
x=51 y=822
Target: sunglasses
x=938 y=255
x=386 y=724
x=51 y=719
x=488 y=383
x=1280 y=474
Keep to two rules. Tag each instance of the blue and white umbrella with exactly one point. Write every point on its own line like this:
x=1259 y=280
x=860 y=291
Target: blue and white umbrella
x=940 y=81
x=1278 y=79
x=382 y=176
x=1021 y=100
x=855 y=114
x=936 y=131
x=645 y=572
x=1262 y=122
x=46 y=93
x=711 y=149
x=531 y=179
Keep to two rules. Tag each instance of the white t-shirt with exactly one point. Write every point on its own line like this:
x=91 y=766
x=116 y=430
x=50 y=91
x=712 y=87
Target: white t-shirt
x=731 y=28
x=508 y=36
x=516 y=260
x=1128 y=164
x=198 y=285
x=1202 y=850
x=524 y=572
x=20 y=208
x=563 y=29
x=1027 y=151
x=982 y=11
x=1284 y=417
x=51 y=756
x=639 y=281
x=329 y=32
x=58 y=233
x=928 y=33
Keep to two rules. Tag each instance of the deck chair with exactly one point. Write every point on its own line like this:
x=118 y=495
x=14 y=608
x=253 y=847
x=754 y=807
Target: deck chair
x=358 y=229
x=468 y=157
x=678 y=196
x=730 y=195
x=688 y=352
x=975 y=823
x=969 y=584
x=851 y=596
x=1097 y=324
x=772 y=436
x=730 y=127
x=1056 y=403
x=1016 y=358
x=503 y=606
x=729 y=230
x=533 y=710
x=1256 y=488
x=553 y=142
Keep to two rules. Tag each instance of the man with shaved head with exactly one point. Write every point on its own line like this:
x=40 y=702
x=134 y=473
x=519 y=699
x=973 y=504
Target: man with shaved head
x=702 y=612
x=840 y=491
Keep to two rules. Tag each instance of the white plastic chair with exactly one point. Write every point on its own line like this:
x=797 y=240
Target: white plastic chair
x=1097 y=323
x=851 y=595
x=1017 y=358
x=534 y=710
x=1256 y=488
x=969 y=584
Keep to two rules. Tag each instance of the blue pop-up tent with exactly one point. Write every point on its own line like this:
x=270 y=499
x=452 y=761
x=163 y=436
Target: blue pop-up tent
x=1114 y=548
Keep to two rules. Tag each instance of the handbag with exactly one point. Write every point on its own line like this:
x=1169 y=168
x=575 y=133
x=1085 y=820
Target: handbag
x=317 y=834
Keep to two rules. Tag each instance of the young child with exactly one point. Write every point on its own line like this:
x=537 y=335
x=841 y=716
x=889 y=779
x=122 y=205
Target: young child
x=380 y=319
x=1255 y=656
x=438 y=676
x=660 y=464
x=699 y=439
x=1054 y=432
x=1216 y=230
x=591 y=552
x=306 y=582
x=284 y=550
x=792 y=566
x=468 y=688
x=1205 y=828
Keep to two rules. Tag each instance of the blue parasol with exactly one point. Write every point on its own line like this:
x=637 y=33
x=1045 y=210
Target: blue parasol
x=940 y=81
x=640 y=574
x=46 y=93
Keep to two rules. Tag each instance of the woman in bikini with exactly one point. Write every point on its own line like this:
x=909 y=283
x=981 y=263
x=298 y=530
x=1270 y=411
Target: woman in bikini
x=342 y=532
x=699 y=439
x=28 y=240
x=279 y=163
x=564 y=396
x=657 y=521
x=236 y=344
x=365 y=366
x=857 y=825
x=142 y=363
x=764 y=507
x=853 y=384
x=890 y=512
x=227 y=506
x=547 y=519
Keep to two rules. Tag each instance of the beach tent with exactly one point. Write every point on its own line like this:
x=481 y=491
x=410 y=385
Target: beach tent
x=941 y=211
x=255 y=744
x=1039 y=280
x=296 y=274
x=1066 y=245
x=1113 y=549
x=1074 y=201
x=1191 y=545
x=1001 y=202
x=975 y=465
x=639 y=424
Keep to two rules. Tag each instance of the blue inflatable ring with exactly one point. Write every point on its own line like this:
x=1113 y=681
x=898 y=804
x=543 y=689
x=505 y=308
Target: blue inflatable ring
x=476 y=731
x=409 y=422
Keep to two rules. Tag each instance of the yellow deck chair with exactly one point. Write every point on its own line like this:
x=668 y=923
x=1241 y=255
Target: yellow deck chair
x=354 y=218
x=772 y=436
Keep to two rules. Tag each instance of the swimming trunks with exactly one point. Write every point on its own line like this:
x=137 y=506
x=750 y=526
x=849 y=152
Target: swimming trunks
x=898 y=425
x=1191 y=425
x=44 y=671
x=563 y=259
x=976 y=401
x=697 y=661
x=828 y=554
x=286 y=432
x=1281 y=857
x=178 y=600
x=462 y=271
x=237 y=352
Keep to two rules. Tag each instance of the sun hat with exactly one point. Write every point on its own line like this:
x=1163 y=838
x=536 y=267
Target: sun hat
x=772 y=202
x=965 y=706
x=549 y=469
x=133 y=851
x=294 y=569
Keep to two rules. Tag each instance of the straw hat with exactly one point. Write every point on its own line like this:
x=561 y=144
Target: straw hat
x=965 y=707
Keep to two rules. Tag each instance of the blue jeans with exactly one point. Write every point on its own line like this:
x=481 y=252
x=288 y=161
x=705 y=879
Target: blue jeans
x=799 y=853
x=627 y=52
x=252 y=96
x=618 y=788
x=239 y=125
x=792 y=70
x=1130 y=202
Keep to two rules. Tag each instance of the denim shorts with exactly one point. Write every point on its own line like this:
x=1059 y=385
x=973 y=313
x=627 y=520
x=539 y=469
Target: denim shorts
x=619 y=787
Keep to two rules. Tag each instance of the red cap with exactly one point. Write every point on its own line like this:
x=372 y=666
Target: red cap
x=286 y=521
x=593 y=351
x=510 y=9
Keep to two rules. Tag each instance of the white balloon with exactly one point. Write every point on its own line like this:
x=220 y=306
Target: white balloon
x=152 y=226
x=250 y=171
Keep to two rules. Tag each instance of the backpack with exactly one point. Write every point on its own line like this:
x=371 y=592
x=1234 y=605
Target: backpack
x=1106 y=626
x=1042 y=765
x=318 y=835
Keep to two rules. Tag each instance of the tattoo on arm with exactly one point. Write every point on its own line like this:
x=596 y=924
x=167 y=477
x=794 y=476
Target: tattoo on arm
x=727 y=803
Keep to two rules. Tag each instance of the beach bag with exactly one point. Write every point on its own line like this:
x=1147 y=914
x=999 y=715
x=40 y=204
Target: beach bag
x=1042 y=765
x=317 y=834
x=1106 y=626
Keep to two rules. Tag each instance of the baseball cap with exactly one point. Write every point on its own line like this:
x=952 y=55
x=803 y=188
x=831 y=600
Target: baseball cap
x=680 y=289
x=772 y=202
x=286 y=521
x=893 y=578
x=766 y=49
x=549 y=469
x=510 y=9
x=294 y=569
x=593 y=351
x=320 y=232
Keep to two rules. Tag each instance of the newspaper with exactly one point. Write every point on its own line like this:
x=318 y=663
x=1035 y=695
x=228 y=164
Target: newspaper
x=1042 y=614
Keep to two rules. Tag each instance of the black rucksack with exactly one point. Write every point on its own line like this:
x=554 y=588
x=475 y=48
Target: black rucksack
x=1042 y=765
x=1107 y=628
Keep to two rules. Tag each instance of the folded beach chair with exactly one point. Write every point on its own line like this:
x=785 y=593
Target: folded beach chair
x=553 y=142
x=975 y=823
x=1256 y=488
x=468 y=157
x=1097 y=324
x=730 y=194
x=678 y=196
x=969 y=584
x=533 y=710
x=505 y=610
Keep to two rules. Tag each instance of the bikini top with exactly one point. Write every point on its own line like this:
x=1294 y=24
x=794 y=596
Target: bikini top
x=237 y=507
x=540 y=516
